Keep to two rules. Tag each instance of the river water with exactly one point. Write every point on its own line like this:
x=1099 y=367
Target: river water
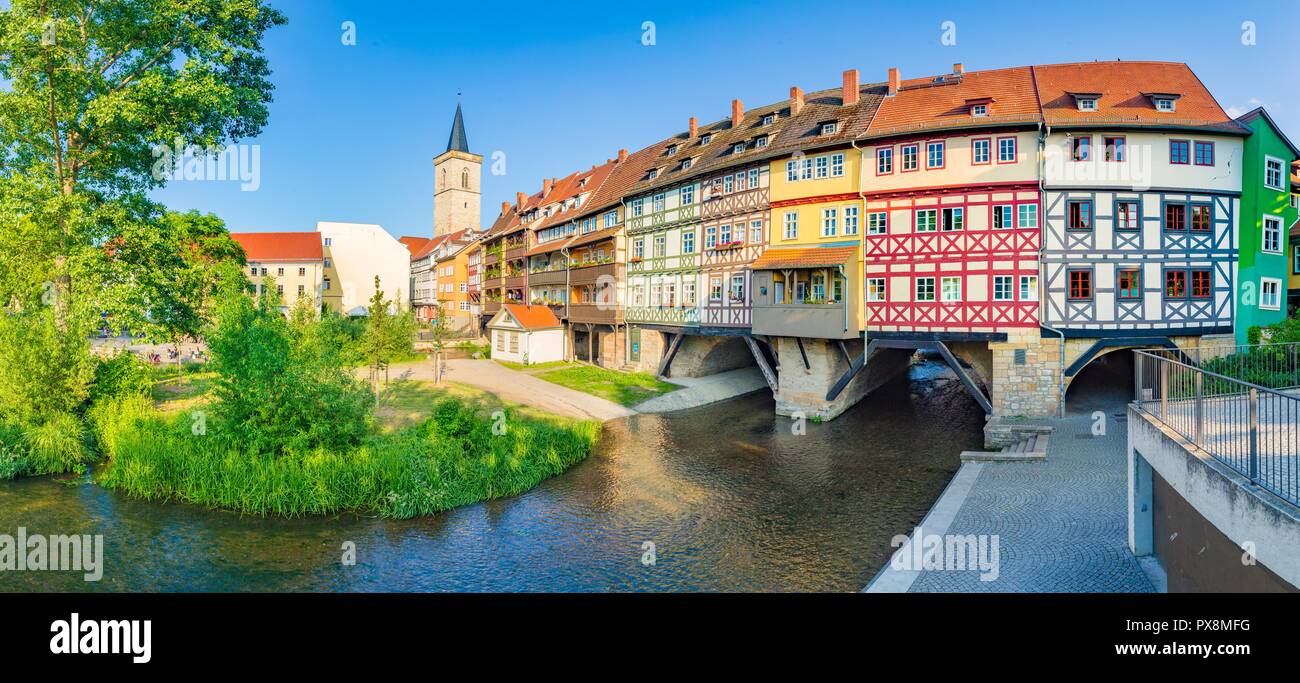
x=729 y=497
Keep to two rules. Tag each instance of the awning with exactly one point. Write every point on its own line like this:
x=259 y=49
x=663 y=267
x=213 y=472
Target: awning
x=785 y=258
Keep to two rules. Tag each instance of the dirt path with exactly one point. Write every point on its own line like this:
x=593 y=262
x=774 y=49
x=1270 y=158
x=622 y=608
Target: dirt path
x=518 y=387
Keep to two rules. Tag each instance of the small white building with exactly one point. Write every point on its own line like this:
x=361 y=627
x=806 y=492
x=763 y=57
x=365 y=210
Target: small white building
x=526 y=334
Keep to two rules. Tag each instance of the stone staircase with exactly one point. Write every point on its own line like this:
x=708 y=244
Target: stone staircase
x=1032 y=448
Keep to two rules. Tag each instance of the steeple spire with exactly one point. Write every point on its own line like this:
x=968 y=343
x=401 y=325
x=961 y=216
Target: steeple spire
x=458 y=142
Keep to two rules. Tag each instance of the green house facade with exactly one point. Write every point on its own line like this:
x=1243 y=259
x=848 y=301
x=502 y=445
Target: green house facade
x=1266 y=215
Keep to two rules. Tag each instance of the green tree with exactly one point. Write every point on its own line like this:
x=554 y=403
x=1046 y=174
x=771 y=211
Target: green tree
x=389 y=335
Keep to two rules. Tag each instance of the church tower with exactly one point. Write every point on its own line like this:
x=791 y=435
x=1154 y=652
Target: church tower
x=457 y=192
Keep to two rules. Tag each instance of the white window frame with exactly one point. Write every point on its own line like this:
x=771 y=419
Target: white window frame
x=830 y=222
x=1281 y=173
x=946 y=280
x=1030 y=292
x=877 y=222
x=987 y=151
x=1277 y=292
x=877 y=291
x=916 y=290
x=790 y=225
x=1024 y=211
x=933 y=224
x=1010 y=287
x=850 y=220
x=837 y=165
x=1280 y=235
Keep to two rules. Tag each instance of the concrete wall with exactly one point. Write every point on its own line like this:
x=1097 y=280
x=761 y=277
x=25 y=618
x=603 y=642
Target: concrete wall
x=1194 y=494
x=804 y=389
x=358 y=253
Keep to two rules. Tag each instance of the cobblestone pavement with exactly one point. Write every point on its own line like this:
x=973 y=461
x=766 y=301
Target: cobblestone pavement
x=1061 y=524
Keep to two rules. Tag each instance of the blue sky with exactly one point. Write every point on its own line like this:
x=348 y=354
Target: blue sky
x=558 y=87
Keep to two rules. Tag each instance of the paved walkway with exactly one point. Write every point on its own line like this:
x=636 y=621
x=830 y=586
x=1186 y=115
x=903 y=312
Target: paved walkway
x=698 y=391
x=1061 y=524
x=518 y=387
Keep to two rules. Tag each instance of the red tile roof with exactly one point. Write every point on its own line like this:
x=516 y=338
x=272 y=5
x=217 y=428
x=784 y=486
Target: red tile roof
x=414 y=244
x=280 y=246
x=533 y=317
x=777 y=258
x=1123 y=89
x=945 y=102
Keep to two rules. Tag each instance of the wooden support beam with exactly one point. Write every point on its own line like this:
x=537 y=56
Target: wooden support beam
x=802 y=353
x=844 y=352
x=971 y=387
x=673 y=346
x=768 y=373
x=854 y=368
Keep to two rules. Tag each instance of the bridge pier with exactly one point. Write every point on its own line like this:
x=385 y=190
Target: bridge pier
x=809 y=368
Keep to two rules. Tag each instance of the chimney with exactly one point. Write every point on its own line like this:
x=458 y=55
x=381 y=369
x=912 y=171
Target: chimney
x=519 y=200
x=796 y=100
x=894 y=80
x=695 y=127
x=737 y=113
x=546 y=186
x=958 y=68
x=622 y=155
x=505 y=208
x=849 y=91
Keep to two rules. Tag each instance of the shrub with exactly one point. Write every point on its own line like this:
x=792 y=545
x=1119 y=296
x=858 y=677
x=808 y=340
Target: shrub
x=119 y=376
x=45 y=368
x=55 y=446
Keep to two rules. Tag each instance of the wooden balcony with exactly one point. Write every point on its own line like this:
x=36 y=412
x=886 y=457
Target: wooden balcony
x=515 y=282
x=817 y=321
x=588 y=275
x=515 y=252
x=491 y=307
x=596 y=314
x=549 y=277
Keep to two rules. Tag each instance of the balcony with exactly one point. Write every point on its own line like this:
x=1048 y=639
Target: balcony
x=514 y=281
x=659 y=315
x=817 y=321
x=515 y=251
x=590 y=274
x=491 y=307
x=547 y=277
x=598 y=314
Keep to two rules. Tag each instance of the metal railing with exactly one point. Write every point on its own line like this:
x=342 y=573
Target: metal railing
x=1205 y=396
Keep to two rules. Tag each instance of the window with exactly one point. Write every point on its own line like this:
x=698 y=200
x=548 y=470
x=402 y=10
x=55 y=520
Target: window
x=514 y=342
x=325 y=284
x=979 y=151
x=672 y=149
x=756 y=232
x=501 y=340
x=638 y=206
x=728 y=184
x=638 y=249
x=876 y=289
x=611 y=219
x=329 y=241
x=877 y=223
x=687 y=194
x=302 y=289
x=1201 y=218
x=1202 y=284
x=1178 y=151
x=1204 y=154
x=850 y=220
x=908 y=157
x=1175 y=284
x=253 y=271
x=279 y=289
x=884 y=161
x=791 y=225
x=1272 y=234
x=1028 y=216
x=934 y=154
x=1087 y=103
x=837 y=165
x=768 y=119
x=1114 y=148
x=1080 y=284
x=638 y=295
x=1029 y=288
x=659 y=202
x=724 y=234
x=654 y=173
x=952 y=219
x=1003 y=217
x=688 y=293
x=688 y=242
x=706 y=138
x=737 y=289
x=464 y=305
x=925 y=289
x=738 y=148
x=829 y=219
x=1081 y=148
x=1164 y=104
x=1273 y=177
x=302 y=272
x=950 y=288
x=1130 y=283
x=1003 y=289
x=830 y=128
x=1295 y=259
x=1006 y=150
x=263 y=272
x=1270 y=293
x=1080 y=214
x=791 y=171
x=1175 y=216
x=979 y=110
x=1126 y=215
x=715 y=289
x=711 y=237
x=753 y=178
x=760 y=142
x=660 y=246
x=823 y=167
x=927 y=220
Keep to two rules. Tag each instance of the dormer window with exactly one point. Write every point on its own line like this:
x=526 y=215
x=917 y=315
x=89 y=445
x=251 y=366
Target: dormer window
x=979 y=110
x=686 y=163
x=1163 y=104
x=706 y=138
x=760 y=142
x=739 y=148
x=768 y=119
x=1087 y=104
x=652 y=174
x=830 y=127
x=672 y=149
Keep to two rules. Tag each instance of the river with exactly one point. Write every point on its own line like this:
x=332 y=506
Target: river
x=730 y=498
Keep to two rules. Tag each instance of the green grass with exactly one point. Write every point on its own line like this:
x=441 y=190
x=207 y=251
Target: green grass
x=534 y=366
x=437 y=448
x=626 y=388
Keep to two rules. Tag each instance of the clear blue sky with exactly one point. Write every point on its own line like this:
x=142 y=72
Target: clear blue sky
x=560 y=86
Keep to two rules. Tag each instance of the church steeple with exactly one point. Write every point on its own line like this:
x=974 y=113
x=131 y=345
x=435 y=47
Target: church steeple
x=458 y=142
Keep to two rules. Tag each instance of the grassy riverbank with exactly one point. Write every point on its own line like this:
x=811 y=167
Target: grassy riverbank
x=624 y=388
x=461 y=448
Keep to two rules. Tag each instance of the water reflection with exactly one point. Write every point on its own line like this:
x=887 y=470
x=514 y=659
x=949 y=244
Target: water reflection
x=728 y=495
